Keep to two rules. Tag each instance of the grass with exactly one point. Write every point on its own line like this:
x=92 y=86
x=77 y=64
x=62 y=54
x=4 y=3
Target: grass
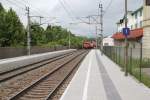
x=146 y=79
x=133 y=67
x=146 y=63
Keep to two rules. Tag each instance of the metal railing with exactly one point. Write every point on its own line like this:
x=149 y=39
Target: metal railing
x=137 y=66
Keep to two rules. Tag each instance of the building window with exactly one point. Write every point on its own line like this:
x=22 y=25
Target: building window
x=131 y=27
x=141 y=25
x=135 y=15
x=141 y=12
x=136 y=25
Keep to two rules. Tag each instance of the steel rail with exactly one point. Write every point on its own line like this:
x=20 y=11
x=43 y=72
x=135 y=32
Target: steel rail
x=18 y=95
x=25 y=69
x=57 y=87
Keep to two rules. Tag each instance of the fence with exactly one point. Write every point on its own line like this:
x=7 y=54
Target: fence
x=9 y=52
x=137 y=66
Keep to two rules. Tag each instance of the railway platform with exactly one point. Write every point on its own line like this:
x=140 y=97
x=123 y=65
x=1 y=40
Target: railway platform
x=98 y=78
x=18 y=62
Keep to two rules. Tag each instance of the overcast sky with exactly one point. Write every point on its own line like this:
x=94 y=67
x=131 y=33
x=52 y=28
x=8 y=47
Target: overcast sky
x=67 y=11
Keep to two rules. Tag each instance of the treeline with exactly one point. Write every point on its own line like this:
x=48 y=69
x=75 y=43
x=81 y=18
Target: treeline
x=14 y=34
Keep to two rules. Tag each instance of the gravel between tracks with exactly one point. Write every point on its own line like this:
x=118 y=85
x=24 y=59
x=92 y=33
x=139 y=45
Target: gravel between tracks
x=63 y=86
x=13 y=86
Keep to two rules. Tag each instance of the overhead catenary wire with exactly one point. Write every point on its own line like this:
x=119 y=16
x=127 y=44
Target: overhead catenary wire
x=34 y=8
x=26 y=4
x=8 y=2
x=108 y=6
x=66 y=10
x=73 y=13
x=15 y=4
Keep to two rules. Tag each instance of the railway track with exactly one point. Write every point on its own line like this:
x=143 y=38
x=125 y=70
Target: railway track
x=46 y=86
x=18 y=71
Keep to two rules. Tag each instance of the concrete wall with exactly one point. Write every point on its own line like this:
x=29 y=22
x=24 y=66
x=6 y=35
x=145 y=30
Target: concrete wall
x=132 y=43
x=146 y=28
x=9 y=52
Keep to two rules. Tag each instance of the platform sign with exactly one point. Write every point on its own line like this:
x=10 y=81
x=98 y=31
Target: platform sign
x=126 y=31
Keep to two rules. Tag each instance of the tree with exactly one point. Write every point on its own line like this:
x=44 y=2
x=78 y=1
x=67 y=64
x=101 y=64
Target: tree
x=2 y=22
x=12 y=30
x=13 y=33
x=48 y=33
x=37 y=34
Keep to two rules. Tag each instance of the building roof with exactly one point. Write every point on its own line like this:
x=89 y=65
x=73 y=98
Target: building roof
x=139 y=9
x=137 y=33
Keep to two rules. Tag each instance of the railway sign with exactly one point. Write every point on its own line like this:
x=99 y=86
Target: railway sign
x=126 y=31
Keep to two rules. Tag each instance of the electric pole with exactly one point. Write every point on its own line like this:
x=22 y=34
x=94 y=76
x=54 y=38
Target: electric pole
x=40 y=19
x=28 y=32
x=126 y=40
x=96 y=37
x=69 y=40
x=101 y=25
x=69 y=36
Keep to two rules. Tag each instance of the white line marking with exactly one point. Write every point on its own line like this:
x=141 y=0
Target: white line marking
x=85 y=91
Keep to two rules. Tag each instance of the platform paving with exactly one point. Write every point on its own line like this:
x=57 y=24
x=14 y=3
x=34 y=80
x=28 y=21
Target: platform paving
x=98 y=78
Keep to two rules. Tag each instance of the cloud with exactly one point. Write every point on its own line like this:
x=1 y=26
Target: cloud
x=76 y=8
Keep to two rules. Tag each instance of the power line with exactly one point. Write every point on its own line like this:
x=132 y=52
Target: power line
x=32 y=8
x=15 y=4
x=7 y=2
x=73 y=13
x=107 y=8
x=20 y=2
x=62 y=4
x=27 y=4
x=68 y=7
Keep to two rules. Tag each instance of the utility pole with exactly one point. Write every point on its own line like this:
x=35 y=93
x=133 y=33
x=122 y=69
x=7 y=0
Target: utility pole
x=101 y=25
x=96 y=38
x=69 y=36
x=126 y=40
x=40 y=19
x=28 y=32
x=69 y=40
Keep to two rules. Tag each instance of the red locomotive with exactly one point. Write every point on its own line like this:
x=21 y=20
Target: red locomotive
x=89 y=44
